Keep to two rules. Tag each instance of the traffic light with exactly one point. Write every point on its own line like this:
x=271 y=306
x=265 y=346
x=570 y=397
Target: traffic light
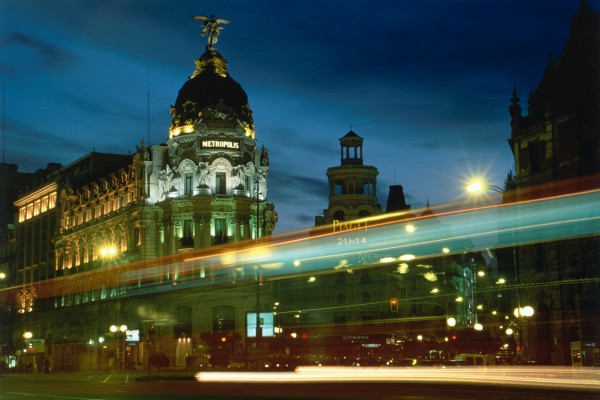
x=394 y=304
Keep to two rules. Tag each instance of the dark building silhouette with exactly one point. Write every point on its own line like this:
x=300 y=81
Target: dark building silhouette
x=556 y=148
x=396 y=200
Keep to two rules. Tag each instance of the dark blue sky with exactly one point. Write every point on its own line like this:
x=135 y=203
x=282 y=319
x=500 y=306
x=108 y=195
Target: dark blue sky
x=426 y=83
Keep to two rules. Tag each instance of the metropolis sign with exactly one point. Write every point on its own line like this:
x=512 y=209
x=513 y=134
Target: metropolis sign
x=220 y=144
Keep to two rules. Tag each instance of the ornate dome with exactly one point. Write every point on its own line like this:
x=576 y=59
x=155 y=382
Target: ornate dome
x=211 y=94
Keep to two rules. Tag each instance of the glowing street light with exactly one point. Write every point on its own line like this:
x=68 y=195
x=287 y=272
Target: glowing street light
x=526 y=311
x=451 y=322
x=477 y=186
x=108 y=251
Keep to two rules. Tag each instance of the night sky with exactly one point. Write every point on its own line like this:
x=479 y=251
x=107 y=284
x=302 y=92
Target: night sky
x=426 y=83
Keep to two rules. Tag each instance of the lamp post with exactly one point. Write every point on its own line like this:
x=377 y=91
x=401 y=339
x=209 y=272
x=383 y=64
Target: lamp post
x=119 y=331
x=258 y=327
x=521 y=317
x=110 y=256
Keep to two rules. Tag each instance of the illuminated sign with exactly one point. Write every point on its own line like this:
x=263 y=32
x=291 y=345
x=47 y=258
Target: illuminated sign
x=132 y=335
x=266 y=322
x=220 y=144
x=36 y=345
x=340 y=226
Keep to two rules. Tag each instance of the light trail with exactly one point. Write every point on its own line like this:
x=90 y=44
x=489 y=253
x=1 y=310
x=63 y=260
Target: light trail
x=292 y=255
x=547 y=377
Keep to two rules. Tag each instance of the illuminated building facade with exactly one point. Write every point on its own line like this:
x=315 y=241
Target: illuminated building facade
x=556 y=149
x=206 y=186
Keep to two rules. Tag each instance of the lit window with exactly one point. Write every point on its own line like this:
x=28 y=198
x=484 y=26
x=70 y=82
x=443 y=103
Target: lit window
x=44 y=204
x=52 y=201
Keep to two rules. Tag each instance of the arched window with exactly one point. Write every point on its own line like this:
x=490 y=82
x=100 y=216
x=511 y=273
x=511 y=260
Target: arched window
x=339 y=215
x=183 y=321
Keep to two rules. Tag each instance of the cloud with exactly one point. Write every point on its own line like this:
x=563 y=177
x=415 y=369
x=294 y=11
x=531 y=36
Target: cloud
x=291 y=184
x=50 y=55
x=304 y=219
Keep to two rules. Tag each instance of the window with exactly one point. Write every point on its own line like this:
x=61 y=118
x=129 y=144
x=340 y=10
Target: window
x=220 y=230
x=188 y=233
x=220 y=187
x=535 y=155
x=339 y=215
x=137 y=236
x=365 y=297
x=188 y=184
x=44 y=204
x=539 y=261
x=338 y=189
x=183 y=321
x=52 y=201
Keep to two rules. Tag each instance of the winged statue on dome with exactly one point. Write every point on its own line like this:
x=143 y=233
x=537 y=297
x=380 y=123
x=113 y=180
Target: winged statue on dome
x=212 y=27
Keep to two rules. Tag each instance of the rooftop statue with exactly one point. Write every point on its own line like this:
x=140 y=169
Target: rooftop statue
x=211 y=27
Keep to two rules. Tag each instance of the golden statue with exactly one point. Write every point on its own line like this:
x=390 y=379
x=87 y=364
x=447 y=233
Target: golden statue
x=211 y=27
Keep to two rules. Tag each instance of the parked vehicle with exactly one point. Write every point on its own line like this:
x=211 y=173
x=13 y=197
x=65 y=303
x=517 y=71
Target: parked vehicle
x=475 y=359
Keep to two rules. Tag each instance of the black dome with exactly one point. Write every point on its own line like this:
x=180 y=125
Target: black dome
x=210 y=86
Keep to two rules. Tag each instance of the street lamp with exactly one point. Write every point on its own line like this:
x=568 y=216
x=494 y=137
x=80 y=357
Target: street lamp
x=120 y=332
x=523 y=312
x=477 y=186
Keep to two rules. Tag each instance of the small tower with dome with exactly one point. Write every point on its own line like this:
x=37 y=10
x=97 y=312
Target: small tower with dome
x=352 y=185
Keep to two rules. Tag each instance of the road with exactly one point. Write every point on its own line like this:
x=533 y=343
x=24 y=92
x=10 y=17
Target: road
x=134 y=386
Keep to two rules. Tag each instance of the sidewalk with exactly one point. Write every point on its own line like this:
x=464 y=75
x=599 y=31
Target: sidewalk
x=104 y=376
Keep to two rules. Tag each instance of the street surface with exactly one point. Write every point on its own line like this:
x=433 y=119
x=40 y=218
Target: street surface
x=138 y=385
